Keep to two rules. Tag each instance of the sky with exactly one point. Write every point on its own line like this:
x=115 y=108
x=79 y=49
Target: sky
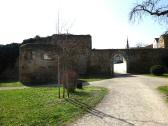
x=105 y=20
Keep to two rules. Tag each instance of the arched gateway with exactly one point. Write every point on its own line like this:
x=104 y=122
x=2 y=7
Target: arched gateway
x=119 y=63
x=138 y=60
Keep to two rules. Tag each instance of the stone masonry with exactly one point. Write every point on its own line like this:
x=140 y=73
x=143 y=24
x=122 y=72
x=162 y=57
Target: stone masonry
x=39 y=56
x=38 y=61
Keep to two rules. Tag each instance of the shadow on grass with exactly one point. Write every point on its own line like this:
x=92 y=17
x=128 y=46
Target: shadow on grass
x=80 y=93
x=93 y=111
x=52 y=84
x=43 y=84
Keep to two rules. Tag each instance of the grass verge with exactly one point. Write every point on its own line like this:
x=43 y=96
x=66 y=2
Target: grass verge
x=164 y=89
x=163 y=76
x=41 y=106
x=11 y=84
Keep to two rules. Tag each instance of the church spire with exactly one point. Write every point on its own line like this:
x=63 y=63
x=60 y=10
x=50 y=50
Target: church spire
x=127 y=45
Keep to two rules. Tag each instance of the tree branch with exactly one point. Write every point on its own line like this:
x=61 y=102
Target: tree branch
x=149 y=7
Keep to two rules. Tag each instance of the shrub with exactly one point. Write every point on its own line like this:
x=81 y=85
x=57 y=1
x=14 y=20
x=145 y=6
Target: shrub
x=69 y=80
x=157 y=70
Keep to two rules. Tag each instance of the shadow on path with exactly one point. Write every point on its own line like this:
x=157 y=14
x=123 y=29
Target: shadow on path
x=118 y=75
x=102 y=115
x=95 y=112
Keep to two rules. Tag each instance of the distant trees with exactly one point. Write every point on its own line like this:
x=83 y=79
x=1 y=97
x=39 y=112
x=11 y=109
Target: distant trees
x=155 y=8
x=140 y=44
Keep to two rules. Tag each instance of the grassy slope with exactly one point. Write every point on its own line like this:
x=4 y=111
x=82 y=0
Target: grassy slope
x=41 y=106
x=164 y=75
x=11 y=84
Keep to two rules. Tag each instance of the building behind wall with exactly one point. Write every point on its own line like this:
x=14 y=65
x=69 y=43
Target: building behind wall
x=163 y=41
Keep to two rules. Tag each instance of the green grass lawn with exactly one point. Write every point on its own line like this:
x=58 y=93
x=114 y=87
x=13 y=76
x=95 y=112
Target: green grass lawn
x=164 y=89
x=11 y=84
x=41 y=106
x=164 y=75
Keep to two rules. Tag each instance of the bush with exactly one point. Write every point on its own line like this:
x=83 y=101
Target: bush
x=69 y=80
x=157 y=70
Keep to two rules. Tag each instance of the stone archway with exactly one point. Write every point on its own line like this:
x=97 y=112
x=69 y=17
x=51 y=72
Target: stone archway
x=119 y=63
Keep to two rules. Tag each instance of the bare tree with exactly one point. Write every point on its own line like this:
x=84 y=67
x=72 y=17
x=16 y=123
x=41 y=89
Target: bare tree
x=140 y=45
x=155 y=8
x=67 y=76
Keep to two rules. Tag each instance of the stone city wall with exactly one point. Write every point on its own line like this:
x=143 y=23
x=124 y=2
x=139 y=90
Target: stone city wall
x=138 y=60
x=39 y=58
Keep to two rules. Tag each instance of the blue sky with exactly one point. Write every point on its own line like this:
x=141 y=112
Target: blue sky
x=105 y=20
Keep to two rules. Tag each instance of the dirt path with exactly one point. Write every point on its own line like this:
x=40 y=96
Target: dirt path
x=132 y=101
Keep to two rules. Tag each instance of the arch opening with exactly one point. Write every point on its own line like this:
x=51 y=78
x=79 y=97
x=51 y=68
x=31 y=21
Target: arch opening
x=119 y=64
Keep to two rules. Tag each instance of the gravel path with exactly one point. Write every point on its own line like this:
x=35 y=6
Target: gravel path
x=13 y=88
x=132 y=101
